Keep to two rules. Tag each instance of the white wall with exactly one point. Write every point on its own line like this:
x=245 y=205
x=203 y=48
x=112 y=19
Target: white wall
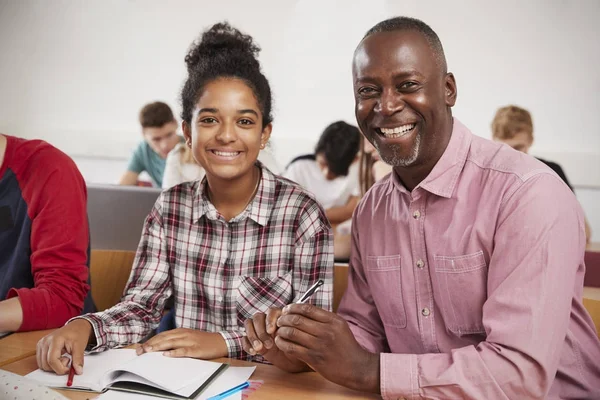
x=76 y=72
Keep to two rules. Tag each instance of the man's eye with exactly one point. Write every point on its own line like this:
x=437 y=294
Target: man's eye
x=365 y=91
x=408 y=85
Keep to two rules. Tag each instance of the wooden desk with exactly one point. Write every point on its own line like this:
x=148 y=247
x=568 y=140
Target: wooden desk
x=19 y=345
x=592 y=293
x=593 y=247
x=277 y=384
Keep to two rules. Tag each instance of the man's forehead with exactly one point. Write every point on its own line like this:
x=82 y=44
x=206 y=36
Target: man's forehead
x=399 y=45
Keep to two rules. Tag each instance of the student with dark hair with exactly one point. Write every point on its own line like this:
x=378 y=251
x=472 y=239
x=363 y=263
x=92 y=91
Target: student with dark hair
x=330 y=173
x=466 y=274
x=238 y=242
x=159 y=129
x=44 y=237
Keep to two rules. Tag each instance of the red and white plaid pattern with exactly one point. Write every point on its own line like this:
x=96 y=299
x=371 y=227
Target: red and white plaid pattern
x=220 y=273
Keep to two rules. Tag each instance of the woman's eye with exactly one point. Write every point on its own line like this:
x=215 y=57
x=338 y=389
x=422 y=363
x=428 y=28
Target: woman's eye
x=246 y=121
x=208 y=120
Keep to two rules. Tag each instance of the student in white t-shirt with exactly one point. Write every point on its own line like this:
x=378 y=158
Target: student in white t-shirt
x=331 y=173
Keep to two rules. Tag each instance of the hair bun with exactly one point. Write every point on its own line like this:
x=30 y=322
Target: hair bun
x=222 y=40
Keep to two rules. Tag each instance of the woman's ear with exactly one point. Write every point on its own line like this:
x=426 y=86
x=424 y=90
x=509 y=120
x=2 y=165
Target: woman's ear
x=187 y=133
x=265 y=135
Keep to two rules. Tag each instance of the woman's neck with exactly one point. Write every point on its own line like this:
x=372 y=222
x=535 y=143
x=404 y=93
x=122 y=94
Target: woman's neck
x=231 y=197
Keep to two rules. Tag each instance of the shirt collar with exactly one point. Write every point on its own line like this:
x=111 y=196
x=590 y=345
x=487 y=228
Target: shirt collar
x=259 y=209
x=443 y=177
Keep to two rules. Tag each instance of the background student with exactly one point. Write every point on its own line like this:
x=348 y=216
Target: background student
x=44 y=237
x=513 y=125
x=239 y=242
x=331 y=173
x=159 y=130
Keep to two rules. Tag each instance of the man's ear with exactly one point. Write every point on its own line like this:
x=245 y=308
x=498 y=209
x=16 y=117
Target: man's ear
x=450 y=89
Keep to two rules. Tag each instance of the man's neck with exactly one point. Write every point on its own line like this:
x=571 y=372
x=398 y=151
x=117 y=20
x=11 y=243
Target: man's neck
x=3 y=142
x=230 y=198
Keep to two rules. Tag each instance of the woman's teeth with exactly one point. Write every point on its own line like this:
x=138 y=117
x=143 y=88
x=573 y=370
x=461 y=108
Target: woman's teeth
x=226 y=153
x=398 y=131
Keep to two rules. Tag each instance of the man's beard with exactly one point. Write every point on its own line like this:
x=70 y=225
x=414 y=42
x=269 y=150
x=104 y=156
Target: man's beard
x=392 y=155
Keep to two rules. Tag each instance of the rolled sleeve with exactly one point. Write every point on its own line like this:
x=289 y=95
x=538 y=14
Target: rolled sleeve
x=233 y=339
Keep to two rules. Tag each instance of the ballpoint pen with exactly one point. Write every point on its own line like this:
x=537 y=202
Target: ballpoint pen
x=229 y=392
x=312 y=290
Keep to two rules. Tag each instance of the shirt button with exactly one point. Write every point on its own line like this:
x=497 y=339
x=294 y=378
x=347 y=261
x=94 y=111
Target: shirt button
x=420 y=263
x=425 y=312
x=220 y=299
x=416 y=214
x=401 y=398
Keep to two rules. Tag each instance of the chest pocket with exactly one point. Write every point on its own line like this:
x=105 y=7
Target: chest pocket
x=460 y=284
x=258 y=294
x=385 y=281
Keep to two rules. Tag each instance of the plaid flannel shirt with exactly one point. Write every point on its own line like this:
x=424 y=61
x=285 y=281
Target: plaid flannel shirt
x=220 y=272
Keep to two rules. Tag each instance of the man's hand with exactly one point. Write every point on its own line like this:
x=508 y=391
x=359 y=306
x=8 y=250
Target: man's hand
x=260 y=339
x=72 y=339
x=324 y=341
x=184 y=342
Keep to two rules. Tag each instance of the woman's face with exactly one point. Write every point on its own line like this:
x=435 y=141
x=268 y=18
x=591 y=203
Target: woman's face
x=226 y=129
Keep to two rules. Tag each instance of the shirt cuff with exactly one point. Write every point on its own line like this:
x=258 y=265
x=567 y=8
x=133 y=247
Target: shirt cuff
x=398 y=376
x=233 y=340
x=99 y=333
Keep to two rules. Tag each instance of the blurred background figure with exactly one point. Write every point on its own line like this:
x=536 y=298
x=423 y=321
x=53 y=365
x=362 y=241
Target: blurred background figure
x=513 y=125
x=159 y=130
x=331 y=173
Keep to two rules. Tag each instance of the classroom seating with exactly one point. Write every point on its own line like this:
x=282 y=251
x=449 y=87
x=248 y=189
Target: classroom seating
x=593 y=308
x=109 y=271
x=592 y=269
x=340 y=282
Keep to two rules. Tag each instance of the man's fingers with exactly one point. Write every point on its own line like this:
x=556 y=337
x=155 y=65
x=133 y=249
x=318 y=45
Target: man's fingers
x=304 y=324
x=261 y=332
x=298 y=337
x=252 y=337
x=309 y=311
x=271 y=320
x=291 y=349
x=247 y=346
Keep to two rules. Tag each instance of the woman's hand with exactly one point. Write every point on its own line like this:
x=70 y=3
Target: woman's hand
x=184 y=342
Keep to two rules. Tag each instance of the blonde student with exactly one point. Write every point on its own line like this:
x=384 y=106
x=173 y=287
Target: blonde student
x=238 y=242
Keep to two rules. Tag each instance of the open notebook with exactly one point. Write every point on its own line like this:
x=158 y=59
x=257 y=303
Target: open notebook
x=149 y=373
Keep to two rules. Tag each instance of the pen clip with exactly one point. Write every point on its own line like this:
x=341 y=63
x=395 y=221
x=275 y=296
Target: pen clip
x=310 y=292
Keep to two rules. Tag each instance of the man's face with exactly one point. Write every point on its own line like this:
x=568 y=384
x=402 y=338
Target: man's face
x=402 y=97
x=522 y=141
x=162 y=139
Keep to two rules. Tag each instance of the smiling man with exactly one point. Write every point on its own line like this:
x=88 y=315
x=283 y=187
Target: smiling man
x=467 y=266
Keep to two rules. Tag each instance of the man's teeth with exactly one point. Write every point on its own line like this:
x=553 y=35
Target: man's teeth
x=398 y=131
x=226 y=153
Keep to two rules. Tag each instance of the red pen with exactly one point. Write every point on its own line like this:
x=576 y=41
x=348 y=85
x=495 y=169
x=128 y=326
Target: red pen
x=71 y=375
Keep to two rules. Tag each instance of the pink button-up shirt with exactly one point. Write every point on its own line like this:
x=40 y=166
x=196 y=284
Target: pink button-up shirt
x=471 y=285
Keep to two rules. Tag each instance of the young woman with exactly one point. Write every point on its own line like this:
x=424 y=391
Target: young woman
x=236 y=243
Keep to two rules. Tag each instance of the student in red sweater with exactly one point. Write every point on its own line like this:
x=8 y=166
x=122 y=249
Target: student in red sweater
x=44 y=237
